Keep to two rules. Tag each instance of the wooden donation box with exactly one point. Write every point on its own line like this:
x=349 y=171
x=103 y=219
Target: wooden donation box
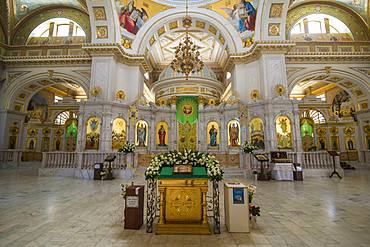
x=183 y=204
x=134 y=208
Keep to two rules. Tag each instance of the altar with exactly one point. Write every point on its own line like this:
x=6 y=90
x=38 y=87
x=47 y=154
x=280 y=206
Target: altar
x=183 y=204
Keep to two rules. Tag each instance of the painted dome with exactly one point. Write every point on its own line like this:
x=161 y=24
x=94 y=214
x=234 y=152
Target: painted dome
x=169 y=73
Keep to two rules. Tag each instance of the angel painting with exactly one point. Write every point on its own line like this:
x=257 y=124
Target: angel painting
x=242 y=16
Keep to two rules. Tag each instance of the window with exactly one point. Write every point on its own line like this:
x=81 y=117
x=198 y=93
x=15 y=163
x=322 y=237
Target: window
x=58 y=27
x=63 y=117
x=318 y=24
x=316 y=116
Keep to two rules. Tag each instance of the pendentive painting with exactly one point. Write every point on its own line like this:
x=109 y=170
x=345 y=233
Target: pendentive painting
x=241 y=14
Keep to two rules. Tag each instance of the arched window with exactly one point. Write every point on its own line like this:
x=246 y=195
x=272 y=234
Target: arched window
x=317 y=26
x=63 y=117
x=58 y=27
x=316 y=116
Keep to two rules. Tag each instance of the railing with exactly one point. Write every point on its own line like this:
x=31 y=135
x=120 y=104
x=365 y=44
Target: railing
x=308 y=160
x=7 y=156
x=316 y=160
x=59 y=160
x=84 y=160
x=89 y=159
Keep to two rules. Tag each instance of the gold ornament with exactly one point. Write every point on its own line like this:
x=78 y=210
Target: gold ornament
x=334 y=130
x=321 y=131
x=32 y=131
x=120 y=95
x=280 y=89
x=367 y=129
x=274 y=29
x=45 y=131
x=255 y=94
x=126 y=43
x=102 y=32
x=348 y=131
x=173 y=100
x=95 y=91
x=202 y=100
x=99 y=13
x=161 y=102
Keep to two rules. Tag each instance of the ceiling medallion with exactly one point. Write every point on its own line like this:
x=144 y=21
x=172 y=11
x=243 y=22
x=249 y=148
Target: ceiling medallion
x=95 y=91
x=187 y=56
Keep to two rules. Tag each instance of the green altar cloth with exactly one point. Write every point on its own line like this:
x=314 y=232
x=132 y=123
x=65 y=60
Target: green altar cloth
x=198 y=172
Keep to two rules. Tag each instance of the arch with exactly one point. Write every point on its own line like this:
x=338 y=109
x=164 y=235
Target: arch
x=317 y=116
x=63 y=116
x=209 y=17
x=38 y=81
x=23 y=28
x=338 y=75
x=358 y=27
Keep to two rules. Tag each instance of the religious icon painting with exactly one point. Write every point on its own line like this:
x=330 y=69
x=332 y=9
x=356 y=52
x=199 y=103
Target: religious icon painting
x=238 y=195
x=162 y=134
x=141 y=134
x=93 y=133
x=118 y=133
x=256 y=133
x=213 y=136
x=283 y=132
x=233 y=133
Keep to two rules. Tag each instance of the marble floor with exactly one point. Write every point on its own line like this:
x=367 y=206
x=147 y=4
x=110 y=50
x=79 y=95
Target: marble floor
x=55 y=211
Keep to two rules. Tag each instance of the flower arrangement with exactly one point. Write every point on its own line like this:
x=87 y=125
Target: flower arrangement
x=251 y=189
x=127 y=148
x=248 y=148
x=190 y=157
x=253 y=209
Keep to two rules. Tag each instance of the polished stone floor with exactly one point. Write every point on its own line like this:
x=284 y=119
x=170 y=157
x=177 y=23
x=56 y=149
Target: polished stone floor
x=54 y=211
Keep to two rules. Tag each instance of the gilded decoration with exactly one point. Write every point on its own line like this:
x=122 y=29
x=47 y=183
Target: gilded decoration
x=99 y=13
x=276 y=10
x=274 y=29
x=95 y=91
x=255 y=94
x=173 y=25
x=32 y=131
x=46 y=131
x=161 y=30
x=126 y=43
x=349 y=131
x=280 y=90
x=102 y=32
x=334 y=130
x=120 y=95
x=256 y=133
x=133 y=113
x=321 y=131
x=200 y=24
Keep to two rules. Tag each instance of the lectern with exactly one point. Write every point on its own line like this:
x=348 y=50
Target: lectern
x=333 y=154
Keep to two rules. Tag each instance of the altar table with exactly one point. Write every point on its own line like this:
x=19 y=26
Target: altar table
x=183 y=203
x=282 y=171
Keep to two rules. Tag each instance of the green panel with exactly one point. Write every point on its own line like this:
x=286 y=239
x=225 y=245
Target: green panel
x=306 y=129
x=187 y=109
x=198 y=172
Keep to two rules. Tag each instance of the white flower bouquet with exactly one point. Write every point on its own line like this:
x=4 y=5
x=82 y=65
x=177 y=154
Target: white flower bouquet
x=248 y=148
x=214 y=171
x=127 y=148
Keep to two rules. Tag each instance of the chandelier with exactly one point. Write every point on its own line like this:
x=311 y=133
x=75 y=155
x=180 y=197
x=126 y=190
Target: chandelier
x=187 y=56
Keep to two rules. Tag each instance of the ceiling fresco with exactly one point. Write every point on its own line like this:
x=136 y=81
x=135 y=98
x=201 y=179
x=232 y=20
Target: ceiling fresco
x=134 y=13
x=23 y=7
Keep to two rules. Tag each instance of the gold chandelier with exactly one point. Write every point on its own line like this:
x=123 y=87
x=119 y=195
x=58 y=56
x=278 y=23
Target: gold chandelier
x=187 y=56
